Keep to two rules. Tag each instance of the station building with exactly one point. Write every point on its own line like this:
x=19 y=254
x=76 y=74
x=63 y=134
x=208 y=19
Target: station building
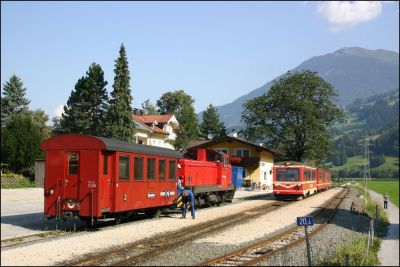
x=256 y=160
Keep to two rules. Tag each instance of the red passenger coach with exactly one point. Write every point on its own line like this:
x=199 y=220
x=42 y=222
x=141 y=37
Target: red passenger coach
x=97 y=178
x=294 y=179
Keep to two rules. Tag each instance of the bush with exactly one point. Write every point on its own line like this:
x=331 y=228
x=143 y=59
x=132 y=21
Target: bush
x=13 y=180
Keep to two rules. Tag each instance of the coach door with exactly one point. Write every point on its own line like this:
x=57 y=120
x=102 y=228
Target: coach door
x=71 y=179
x=122 y=196
x=106 y=181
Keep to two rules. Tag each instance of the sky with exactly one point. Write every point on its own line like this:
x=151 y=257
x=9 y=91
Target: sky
x=214 y=51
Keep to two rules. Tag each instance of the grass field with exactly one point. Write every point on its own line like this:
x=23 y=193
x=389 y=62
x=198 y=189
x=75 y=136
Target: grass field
x=391 y=187
x=358 y=162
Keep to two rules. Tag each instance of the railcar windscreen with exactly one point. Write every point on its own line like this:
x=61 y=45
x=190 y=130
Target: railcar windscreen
x=288 y=174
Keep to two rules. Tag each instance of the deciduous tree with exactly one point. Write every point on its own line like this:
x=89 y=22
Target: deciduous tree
x=181 y=105
x=293 y=116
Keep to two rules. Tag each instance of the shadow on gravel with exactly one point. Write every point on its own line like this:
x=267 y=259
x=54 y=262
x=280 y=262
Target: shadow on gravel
x=37 y=221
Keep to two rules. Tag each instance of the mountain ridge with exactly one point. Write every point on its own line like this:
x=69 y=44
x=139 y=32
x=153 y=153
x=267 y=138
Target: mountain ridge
x=354 y=72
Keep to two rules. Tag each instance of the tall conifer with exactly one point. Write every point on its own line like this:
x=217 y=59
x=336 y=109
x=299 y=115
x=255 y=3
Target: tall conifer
x=119 y=120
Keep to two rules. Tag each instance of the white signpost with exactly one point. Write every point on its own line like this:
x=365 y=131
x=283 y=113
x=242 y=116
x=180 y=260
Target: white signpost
x=306 y=221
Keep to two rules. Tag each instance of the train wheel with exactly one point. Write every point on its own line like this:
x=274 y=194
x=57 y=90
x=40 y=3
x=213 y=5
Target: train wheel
x=153 y=213
x=117 y=220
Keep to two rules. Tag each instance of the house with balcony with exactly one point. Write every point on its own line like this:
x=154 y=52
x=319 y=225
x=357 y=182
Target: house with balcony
x=155 y=130
x=256 y=160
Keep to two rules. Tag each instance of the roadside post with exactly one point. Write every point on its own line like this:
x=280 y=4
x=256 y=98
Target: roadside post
x=306 y=221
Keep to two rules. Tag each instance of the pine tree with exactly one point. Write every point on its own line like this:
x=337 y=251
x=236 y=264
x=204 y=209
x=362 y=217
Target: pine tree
x=211 y=124
x=86 y=107
x=119 y=118
x=14 y=100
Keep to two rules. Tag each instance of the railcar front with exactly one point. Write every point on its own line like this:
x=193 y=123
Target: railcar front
x=294 y=180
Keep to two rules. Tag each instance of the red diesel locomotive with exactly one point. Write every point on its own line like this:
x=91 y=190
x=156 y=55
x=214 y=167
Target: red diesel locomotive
x=207 y=173
x=299 y=180
x=97 y=179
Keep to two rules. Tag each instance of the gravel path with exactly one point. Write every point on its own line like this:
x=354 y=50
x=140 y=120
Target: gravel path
x=389 y=252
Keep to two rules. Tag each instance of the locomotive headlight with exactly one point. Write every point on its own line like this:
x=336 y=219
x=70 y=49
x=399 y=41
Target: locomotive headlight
x=49 y=192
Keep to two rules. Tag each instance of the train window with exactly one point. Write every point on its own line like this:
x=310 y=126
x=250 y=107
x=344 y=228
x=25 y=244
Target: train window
x=151 y=169
x=105 y=164
x=313 y=175
x=289 y=174
x=73 y=163
x=161 y=170
x=138 y=175
x=124 y=167
x=172 y=170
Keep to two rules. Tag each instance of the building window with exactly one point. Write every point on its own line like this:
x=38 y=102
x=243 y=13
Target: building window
x=138 y=169
x=124 y=167
x=222 y=149
x=172 y=170
x=161 y=170
x=73 y=163
x=242 y=152
x=151 y=169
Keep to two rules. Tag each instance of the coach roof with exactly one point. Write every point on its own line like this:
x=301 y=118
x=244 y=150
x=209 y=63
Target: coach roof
x=79 y=141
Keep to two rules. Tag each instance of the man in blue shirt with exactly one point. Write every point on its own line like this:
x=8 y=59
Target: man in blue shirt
x=187 y=199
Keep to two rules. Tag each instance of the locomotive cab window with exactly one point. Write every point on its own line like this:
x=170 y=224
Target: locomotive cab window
x=124 y=167
x=138 y=169
x=161 y=170
x=73 y=163
x=151 y=169
x=172 y=170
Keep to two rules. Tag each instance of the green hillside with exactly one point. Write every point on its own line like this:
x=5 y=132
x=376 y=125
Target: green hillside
x=376 y=120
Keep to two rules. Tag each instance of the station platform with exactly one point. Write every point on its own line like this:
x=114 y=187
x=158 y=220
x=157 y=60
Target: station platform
x=241 y=193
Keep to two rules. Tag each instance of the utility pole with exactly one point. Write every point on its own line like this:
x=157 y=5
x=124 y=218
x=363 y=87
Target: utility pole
x=367 y=171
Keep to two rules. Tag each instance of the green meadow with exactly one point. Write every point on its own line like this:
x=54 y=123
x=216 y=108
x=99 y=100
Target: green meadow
x=389 y=186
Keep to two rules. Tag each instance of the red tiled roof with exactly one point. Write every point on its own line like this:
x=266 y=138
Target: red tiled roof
x=141 y=121
x=158 y=118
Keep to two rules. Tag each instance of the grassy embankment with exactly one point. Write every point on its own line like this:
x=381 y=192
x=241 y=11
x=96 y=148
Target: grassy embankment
x=356 y=248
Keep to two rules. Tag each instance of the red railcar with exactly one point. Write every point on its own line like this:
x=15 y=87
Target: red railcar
x=299 y=180
x=323 y=179
x=93 y=177
x=98 y=179
x=208 y=174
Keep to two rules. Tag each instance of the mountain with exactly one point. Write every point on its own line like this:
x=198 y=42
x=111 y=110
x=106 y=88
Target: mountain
x=354 y=72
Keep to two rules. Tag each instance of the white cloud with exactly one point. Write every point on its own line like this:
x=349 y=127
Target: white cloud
x=344 y=14
x=58 y=111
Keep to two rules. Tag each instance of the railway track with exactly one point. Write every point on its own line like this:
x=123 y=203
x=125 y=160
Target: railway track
x=29 y=239
x=140 y=250
x=260 y=251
